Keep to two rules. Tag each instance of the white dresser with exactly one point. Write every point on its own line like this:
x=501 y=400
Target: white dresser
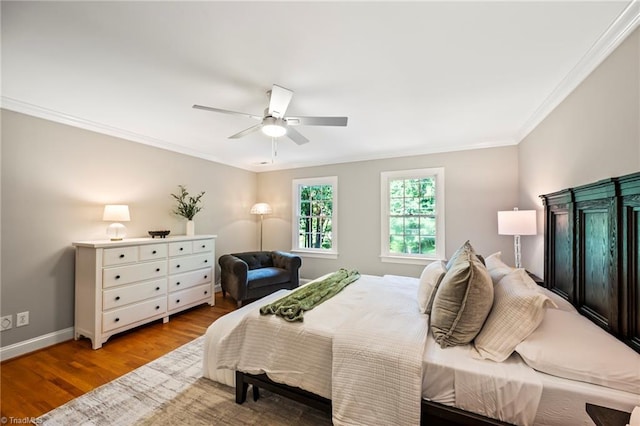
x=124 y=284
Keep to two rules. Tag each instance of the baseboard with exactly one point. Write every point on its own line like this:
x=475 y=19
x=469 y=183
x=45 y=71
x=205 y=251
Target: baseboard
x=36 y=343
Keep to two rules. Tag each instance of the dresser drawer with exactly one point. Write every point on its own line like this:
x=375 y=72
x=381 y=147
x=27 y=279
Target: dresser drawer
x=153 y=251
x=201 y=246
x=132 y=273
x=124 y=295
x=180 y=248
x=133 y=313
x=182 y=298
x=119 y=256
x=190 y=263
x=190 y=279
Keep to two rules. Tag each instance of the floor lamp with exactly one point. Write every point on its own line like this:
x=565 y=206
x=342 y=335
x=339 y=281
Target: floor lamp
x=261 y=209
x=517 y=222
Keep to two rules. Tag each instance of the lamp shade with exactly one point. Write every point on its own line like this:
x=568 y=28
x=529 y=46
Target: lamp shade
x=261 y=208
x=274 y=127
x=116 y=213
x=517 y=222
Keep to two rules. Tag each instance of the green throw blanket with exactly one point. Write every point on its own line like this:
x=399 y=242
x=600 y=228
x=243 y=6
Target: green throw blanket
x=292 y=306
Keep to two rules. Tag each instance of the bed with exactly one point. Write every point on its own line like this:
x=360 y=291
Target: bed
x=454 y=385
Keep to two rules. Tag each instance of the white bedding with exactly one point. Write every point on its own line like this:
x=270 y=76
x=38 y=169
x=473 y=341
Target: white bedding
x=322 y=354
x=377 y=356
x=508 y=391
x=561 y=401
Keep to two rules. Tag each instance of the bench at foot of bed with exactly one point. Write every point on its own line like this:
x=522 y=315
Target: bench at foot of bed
x=243 y=380
x=432 y=413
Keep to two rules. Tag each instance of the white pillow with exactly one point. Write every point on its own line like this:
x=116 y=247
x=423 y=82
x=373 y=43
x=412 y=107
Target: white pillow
x=558 y=301
x=429 y=279
x=561 y=303
x=570 y=346
x=496 y=267
x=498 y=270
x=517 y=311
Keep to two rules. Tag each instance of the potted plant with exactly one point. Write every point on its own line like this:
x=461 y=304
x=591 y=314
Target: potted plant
x=187 y=207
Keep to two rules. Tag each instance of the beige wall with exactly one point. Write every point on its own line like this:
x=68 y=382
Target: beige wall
x=55 y=182
x=593 y=134
x=478 y=183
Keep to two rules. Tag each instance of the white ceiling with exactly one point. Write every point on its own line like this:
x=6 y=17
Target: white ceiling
x=413 y=77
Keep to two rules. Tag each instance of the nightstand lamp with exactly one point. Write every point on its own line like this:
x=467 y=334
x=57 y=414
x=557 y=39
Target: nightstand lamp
x=116 y=213
x=517 y=222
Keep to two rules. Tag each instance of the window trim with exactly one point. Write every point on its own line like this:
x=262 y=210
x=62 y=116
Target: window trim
x=312 y=252
x=415 y=259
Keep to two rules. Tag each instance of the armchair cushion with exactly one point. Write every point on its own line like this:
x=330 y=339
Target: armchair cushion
x=267 y=276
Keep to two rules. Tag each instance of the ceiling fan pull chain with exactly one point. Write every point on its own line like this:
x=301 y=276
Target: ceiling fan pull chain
x=274 y=150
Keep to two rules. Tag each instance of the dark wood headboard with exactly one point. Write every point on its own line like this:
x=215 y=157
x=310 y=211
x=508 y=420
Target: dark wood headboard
x=591 y=254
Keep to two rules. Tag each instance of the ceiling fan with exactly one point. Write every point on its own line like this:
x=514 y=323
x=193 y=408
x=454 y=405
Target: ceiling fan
x=274 y=123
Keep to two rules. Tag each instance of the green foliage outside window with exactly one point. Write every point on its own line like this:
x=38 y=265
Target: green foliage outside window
x=316 y=212
x=412 y=218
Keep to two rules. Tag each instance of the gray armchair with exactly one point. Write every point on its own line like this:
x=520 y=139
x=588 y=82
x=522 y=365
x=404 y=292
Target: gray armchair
x=252 y=275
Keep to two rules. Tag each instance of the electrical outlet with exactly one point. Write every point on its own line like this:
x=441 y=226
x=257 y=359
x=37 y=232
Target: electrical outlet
x=6 y=322
x=22 y=319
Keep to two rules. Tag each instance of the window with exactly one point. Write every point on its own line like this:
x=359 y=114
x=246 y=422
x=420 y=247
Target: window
x=412 y=215
x=315 y=224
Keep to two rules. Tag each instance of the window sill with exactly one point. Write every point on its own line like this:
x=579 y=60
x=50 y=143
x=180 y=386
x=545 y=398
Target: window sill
x=408 y=260
x=320 y=255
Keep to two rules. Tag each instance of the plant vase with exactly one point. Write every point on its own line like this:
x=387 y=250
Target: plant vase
x=191 y=228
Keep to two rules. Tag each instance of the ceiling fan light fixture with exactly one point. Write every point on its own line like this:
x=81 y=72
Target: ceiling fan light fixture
x=274 y=127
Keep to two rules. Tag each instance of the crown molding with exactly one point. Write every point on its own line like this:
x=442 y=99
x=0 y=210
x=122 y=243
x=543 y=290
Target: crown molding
x=71 y=120
x=617 y=32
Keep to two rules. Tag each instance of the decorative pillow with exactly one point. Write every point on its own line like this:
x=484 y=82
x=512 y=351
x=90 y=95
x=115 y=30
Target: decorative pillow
x=517 y=311
x=570 y=346
x=429 y=280
x=497 y=268
x=462 y=301
x=462 y=249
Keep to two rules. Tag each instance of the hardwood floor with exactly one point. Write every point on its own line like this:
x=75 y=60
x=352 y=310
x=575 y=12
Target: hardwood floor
x=36 y=383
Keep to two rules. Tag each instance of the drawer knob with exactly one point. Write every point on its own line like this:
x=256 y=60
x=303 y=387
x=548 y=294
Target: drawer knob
x=205 y=277
x=157 y=269
x=203 y=246
x=122 y=256
x=157 y=307
x=157 y=288
x=181 y=248
x=178 y=301
x=117 y=277
x=117 y=319
x=178 y=283
x=154 y=252
x=206 y=261
x=206 y=292
x=117 y=297
x=177 y=266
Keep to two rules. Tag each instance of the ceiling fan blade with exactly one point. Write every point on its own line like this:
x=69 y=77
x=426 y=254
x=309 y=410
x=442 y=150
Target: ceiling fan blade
x=296 y=136
x=245 y=132
x=226 y=111
x=317 y=121
x=279 y=102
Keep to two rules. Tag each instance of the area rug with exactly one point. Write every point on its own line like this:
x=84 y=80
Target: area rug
x=171 y=390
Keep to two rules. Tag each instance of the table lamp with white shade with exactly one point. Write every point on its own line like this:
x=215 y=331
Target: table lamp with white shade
x=517 y=222
x=116 y=213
